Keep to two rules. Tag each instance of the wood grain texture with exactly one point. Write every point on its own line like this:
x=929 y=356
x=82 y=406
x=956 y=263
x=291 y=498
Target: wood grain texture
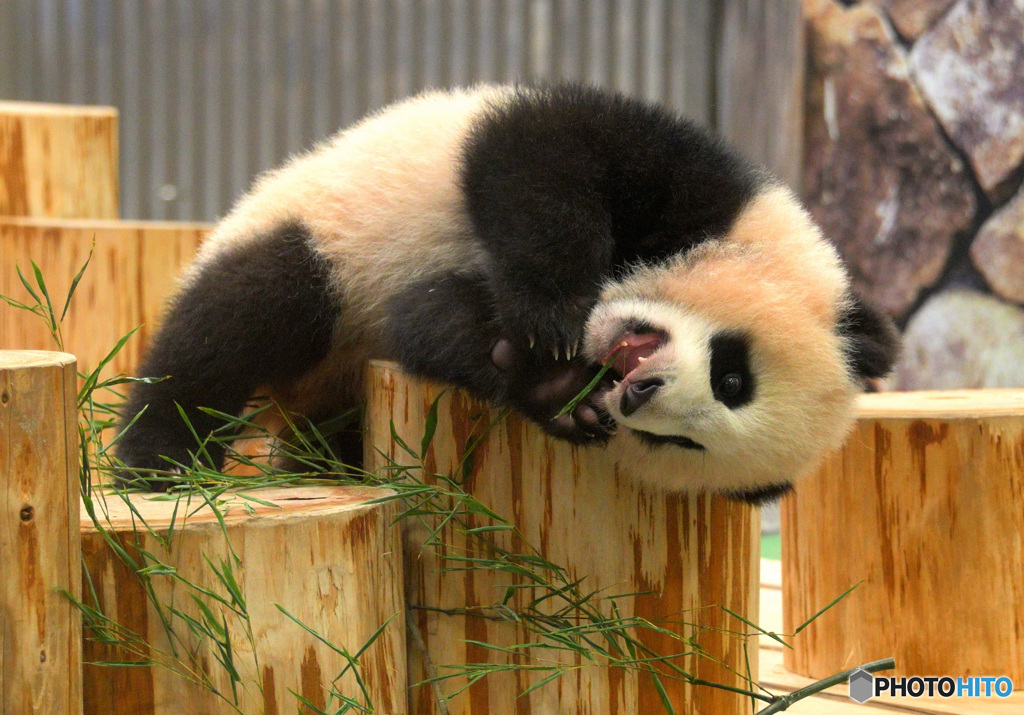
x=777 y=679
x=58 y=161
x=132 y=273
x=40 y=629
x=759 y=76
x=326 y=554
x=585 y=511
x=925 y=506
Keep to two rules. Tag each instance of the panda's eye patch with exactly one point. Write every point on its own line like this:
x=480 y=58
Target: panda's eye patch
x=732 y=380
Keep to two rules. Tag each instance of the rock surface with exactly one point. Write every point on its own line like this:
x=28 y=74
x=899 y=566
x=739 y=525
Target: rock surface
x=912 y=17
x=970 y=67
x=878 y=175
x=998 y=250
x=962 y=339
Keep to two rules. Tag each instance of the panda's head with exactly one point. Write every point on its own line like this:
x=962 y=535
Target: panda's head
x=738 y=362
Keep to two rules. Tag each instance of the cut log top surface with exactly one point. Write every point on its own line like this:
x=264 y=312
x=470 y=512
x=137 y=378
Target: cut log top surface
x=946 y=404
x=158 y=510
x=43 y=108
x=99 y=224
x=14 y=359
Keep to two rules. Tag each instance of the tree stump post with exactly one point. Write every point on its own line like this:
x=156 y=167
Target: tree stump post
x=58 y=161
x=328 y=555
x=924 y=507
x=683 y=555
x=40 y=628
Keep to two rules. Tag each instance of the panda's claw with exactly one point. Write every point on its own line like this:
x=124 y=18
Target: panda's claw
x=533 y=340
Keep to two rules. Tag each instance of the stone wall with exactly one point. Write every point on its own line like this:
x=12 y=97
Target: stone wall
x=914 y=165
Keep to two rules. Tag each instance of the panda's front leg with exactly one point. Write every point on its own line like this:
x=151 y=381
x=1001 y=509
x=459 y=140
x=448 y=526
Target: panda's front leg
x=446 y=328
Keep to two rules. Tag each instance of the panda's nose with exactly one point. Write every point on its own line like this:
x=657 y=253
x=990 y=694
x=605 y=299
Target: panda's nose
x=638 y=394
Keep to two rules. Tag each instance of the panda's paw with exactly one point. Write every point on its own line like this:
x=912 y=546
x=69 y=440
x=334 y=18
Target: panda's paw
x=586 y=424
x=542 y=389
x=553 y=331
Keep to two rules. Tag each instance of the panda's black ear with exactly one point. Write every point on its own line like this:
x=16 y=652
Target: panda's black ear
x=872 y=341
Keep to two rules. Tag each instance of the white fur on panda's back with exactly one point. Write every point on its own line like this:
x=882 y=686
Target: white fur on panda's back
x=382 y=199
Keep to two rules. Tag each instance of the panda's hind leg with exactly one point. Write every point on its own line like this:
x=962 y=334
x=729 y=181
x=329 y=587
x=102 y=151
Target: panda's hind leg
x=258 y=313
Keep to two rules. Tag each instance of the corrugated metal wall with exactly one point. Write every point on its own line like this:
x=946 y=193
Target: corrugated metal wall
x=213 y=91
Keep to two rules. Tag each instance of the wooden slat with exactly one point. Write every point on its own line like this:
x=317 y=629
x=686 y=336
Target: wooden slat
x=131 y=275
x=58 y=161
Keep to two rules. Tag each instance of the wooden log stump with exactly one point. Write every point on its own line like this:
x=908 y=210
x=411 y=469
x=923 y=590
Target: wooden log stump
x=586 y=512
x=132 y=274
x=58 y=161
x=40 y=628
x=924 y=507
x=327 y=555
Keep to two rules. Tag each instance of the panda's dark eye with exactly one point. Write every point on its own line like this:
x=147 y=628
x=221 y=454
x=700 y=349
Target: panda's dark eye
x=731 y=385
x=732 y=379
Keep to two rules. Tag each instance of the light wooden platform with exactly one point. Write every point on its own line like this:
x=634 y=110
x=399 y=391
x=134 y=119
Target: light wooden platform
x=835 y=701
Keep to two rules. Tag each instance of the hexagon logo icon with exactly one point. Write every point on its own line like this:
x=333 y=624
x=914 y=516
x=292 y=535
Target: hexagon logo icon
x=862 y=686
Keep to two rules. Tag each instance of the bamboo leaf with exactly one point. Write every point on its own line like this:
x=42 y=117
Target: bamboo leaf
x=77 y=278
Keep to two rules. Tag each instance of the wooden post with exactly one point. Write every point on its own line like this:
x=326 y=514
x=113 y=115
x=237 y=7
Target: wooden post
x=58 y=161
x=924 y=507
x=327 y=555
x=582 y=510
x=40 y=628
x=132 y=273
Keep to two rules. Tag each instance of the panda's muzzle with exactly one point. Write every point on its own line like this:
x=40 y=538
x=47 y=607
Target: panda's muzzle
x=638 y=394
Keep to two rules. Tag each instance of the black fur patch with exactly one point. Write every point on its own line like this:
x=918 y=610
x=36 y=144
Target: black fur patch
x=262 y=313
x=677 y=440
x=872 y=341
x=444 y=328
x=730 y=356
x=568 y=185
x=761 y=496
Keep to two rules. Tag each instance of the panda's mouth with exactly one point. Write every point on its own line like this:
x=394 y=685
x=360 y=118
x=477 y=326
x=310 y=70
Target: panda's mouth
x=677 y=440
x=633 y=348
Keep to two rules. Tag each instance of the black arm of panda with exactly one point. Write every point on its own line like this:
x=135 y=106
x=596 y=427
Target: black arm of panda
x=551 y=249
x=533 y=185
x=444 y=329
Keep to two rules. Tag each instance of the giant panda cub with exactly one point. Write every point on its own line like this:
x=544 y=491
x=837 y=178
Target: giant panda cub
x=509 y=241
